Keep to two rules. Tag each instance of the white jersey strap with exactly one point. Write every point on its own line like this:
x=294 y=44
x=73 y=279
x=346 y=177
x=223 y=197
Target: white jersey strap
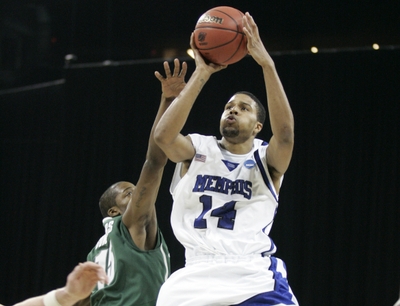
x=265 y=174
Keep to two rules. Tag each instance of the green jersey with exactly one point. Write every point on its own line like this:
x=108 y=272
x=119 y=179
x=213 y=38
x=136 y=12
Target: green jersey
x=134 y=276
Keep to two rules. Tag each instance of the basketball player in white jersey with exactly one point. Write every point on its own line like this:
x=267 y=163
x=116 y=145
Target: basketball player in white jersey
x=226 y=191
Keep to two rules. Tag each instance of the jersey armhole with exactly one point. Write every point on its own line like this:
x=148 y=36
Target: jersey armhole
x=176 y=177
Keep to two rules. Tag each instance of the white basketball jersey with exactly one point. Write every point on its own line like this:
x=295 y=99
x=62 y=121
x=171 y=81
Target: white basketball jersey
x=225 y=204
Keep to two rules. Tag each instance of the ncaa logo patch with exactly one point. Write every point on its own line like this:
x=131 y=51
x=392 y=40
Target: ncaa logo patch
x=249 y=163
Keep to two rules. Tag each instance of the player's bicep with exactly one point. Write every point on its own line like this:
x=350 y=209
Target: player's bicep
x=278 y=156
x=180 y=150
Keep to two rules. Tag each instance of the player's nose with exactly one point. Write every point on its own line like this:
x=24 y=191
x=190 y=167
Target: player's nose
x=233 y=110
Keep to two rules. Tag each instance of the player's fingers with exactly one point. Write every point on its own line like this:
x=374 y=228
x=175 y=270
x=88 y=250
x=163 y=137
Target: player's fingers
x=251 y=24
x=245 y=21
x=247 y=28
x=159 y=76
x=102 y=276
x=249 y=19
x=93 y=272
x=192 y=45
x=196 y=53
x=184 y=69
x=167 y=69
x=246 y=32
x=176 y=67
x=197 y=56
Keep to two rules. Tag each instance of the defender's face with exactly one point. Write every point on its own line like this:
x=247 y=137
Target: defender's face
x=239 y=117
x=125 y=191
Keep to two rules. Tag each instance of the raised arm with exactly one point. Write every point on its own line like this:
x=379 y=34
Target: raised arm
x=279 y=152
x=80 y=283
x=140 y=215
x=168 y=131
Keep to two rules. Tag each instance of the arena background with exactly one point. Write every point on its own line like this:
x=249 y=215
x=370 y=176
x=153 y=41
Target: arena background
x=69 y=131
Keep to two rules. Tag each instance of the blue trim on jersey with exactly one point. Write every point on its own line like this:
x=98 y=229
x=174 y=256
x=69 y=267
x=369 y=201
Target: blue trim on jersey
x=280 y=295
x=266 y=298
x=281 y=283
x=230 y=165
x=276 y=210
x=264 y=174
x=271 y=249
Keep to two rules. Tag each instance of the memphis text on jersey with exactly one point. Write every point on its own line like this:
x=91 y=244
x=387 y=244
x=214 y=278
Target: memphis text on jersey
x=222 y=185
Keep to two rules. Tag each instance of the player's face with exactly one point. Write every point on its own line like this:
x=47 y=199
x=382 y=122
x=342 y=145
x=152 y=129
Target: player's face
x=125 y=192
x=239 y=119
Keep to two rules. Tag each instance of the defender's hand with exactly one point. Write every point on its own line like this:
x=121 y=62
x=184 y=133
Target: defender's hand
x=173 y=83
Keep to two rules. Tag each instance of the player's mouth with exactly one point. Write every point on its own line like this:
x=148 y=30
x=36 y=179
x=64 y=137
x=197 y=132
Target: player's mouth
x=230 y=119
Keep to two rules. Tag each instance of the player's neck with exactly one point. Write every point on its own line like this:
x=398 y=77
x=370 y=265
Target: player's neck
x=236 y=148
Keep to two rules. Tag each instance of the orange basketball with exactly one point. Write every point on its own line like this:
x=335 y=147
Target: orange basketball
x=219 y=36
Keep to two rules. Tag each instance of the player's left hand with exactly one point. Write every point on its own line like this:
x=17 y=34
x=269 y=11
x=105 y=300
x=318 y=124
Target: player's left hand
x=173 y=83
x=255 y=46
x=82 y=280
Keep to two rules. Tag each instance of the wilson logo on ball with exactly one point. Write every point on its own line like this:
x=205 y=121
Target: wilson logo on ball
x=210 y=19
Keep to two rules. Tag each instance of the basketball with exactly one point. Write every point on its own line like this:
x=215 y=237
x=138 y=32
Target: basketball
x=219 y=36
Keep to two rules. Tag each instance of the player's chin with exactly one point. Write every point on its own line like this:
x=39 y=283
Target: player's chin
x=229 y=131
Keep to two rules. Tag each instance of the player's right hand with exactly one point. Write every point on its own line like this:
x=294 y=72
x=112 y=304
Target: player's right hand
x=200 y=62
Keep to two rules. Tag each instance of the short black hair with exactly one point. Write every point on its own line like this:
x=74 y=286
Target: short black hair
x=107 y=200
x=261 y=112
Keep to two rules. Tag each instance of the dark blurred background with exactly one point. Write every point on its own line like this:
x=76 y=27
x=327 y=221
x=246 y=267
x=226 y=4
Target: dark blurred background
x=78 y=97
x=35 y=36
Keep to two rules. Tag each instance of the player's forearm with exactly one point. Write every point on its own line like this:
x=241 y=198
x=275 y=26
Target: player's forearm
x=62 y=297
x=174 y=118
x=35 y=301
x=280 y=113
x=155 y=155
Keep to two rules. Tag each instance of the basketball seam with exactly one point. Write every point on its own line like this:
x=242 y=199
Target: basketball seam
x=238 y=47
x=233 y=19
x=224 y=44
x=217 y=28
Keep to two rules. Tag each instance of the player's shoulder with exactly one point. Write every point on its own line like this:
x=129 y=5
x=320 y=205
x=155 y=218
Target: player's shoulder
x=199 y=139
x=197 y=135
x=260 y=143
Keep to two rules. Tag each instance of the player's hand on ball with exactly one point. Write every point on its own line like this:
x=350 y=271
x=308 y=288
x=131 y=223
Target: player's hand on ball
x=209 y=67
x=255 y=46
x=173 y=83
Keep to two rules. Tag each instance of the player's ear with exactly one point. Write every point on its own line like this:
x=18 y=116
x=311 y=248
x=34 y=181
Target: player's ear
x=113 y=211
x=258 y=127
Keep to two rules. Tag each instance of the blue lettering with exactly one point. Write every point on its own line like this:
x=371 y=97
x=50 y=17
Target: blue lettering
x=222 y=185
x=199 y=185
x=209 y=184
x=237 y=187
x=247 y=190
